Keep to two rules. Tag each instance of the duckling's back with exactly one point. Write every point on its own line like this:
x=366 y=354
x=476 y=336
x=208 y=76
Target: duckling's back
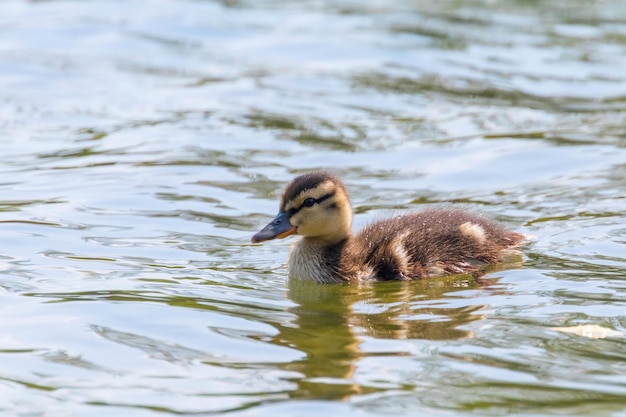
x=429 y=243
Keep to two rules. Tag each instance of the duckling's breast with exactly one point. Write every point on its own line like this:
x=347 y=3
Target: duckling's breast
x=313 y=259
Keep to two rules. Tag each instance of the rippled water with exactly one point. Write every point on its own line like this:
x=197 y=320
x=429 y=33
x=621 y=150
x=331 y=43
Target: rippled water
x=143 y=143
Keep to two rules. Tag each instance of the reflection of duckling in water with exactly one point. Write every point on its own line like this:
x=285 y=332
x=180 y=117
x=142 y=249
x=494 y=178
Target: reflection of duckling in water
x=426 y=309
x=335 y=326
x=424 y=244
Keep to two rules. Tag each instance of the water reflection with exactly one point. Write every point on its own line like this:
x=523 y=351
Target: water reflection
x=155 y=349
x=332 y=321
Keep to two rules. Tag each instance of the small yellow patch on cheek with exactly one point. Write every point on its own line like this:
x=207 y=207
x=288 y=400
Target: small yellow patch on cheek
x=296 y=219
x=474 y=231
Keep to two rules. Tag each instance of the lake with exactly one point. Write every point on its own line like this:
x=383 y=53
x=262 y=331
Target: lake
x=145 y=142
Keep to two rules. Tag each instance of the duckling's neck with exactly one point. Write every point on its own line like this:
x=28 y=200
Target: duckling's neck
x=318 y=260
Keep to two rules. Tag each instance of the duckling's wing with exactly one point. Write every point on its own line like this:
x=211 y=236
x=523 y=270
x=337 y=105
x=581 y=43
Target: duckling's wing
x=431 y=243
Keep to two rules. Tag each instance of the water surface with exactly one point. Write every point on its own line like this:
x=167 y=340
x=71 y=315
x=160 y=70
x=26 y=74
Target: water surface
x=143 y=143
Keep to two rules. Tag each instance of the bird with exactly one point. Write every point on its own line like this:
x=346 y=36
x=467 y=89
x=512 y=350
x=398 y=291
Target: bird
x=420 y=244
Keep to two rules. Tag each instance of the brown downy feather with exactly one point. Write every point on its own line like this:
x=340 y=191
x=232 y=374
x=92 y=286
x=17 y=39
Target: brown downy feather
x=430 y=243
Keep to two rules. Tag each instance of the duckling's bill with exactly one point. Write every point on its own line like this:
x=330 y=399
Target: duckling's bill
x=278 y=228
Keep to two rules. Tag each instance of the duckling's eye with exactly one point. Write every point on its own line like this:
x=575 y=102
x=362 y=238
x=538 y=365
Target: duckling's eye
x=308 y=202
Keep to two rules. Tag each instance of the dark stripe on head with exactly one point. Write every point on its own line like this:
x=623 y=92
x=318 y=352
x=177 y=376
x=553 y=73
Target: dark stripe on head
x=317 y=201
x=306 y=182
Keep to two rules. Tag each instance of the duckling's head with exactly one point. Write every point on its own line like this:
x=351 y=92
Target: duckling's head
x=313 y=205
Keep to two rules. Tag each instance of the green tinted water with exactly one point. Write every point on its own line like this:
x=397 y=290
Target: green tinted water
x=144 y=143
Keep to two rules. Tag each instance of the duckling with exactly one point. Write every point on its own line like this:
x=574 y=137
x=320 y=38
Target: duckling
x=429 y=243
